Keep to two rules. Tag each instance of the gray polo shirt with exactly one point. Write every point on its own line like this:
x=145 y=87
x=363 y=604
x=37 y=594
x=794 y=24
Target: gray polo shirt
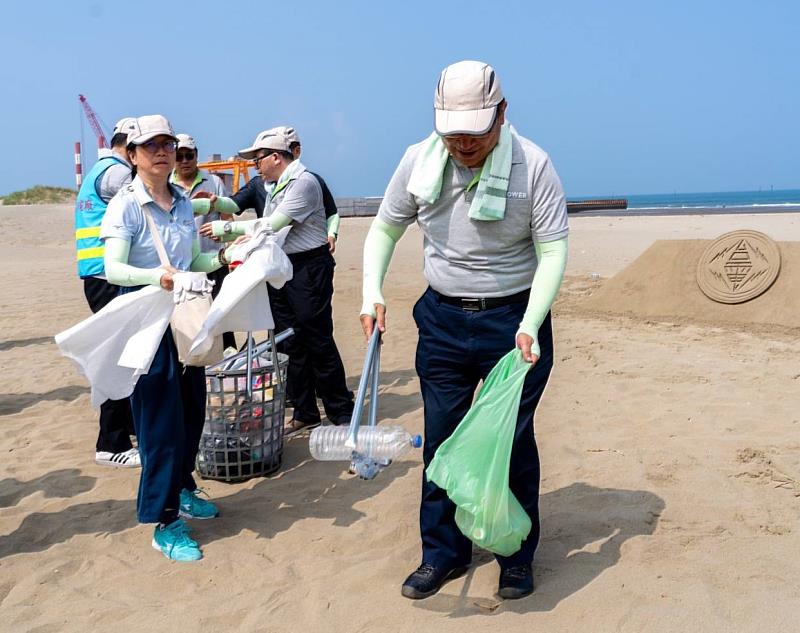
x=473 y=258
x=209 y=183
x=301 y=200
x=124 y=219
x=114 y=178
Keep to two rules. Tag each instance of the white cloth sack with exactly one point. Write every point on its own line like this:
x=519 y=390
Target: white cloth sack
x=113 y=347
x=187 y=286
x=242 y=304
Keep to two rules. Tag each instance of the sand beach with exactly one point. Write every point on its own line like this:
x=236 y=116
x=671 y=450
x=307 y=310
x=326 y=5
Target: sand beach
x=669 y=441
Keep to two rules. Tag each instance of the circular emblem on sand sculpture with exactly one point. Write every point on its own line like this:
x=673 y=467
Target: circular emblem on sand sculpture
x=738 y=266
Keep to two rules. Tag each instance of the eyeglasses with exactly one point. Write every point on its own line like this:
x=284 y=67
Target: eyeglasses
x=182 y=156
x=152 y=146
x=258 y=159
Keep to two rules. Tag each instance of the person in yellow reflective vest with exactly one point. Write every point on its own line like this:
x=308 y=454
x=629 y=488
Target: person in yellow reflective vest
x=104 y=180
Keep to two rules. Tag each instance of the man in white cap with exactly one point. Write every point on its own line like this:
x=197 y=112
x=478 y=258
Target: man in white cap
x=108 y=175
x=294 y=196
x=254 y=194
x=493 y=215
x=194 y=181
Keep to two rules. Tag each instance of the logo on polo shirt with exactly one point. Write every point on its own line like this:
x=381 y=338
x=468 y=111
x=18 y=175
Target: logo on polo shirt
x=517 y=194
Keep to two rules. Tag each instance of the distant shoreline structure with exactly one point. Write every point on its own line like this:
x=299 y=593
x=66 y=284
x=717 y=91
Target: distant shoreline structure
x=368 y=207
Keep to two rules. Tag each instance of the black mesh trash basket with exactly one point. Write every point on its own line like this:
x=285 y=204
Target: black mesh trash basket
x=243 y=433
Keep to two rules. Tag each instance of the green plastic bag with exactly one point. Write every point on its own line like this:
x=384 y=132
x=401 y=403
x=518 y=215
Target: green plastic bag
x=472 y=465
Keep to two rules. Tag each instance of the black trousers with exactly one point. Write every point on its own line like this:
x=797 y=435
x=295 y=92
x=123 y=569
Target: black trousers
x=218 y=276
x=315 y=366
x=456 y=350
x=116 y=420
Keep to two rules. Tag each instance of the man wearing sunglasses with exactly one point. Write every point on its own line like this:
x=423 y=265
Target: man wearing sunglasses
x=491 y=208
x=193 y=181
x=108 y=175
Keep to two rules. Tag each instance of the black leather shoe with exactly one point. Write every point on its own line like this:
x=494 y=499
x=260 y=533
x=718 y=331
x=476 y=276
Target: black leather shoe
x=340 y=421
x=427 y=580
x=516 y=582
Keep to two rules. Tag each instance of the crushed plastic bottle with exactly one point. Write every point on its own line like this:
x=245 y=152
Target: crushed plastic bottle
x=327 y=443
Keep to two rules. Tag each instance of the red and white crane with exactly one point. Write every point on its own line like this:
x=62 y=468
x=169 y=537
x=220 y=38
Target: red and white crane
x=102 y=144
x=94 y=122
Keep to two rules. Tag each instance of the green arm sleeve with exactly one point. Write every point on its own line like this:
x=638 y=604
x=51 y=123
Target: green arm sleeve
x=277 y=220
x=333 y=226
x=202 y=206
x=120 y=273
x=378 y=250
x=552 y=257
x=203 y=262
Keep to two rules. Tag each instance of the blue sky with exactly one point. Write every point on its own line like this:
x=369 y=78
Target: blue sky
x=627 y=97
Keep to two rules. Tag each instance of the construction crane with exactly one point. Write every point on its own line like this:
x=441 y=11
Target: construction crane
x=241 y=170
x=94 y=122
x=102 y=145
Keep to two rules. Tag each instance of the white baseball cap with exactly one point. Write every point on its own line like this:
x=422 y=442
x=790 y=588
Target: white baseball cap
x=290 y=133
x=277 y=139
x=123 y=126
x=466 y=98
x=146 y=127
x=185 y=141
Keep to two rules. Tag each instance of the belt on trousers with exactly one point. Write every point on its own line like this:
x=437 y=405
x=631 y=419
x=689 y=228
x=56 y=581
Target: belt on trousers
x=472 y=304
x=310 y=254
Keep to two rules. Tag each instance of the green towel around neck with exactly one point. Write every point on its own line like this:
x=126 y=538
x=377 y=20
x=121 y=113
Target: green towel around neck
x=489 y=202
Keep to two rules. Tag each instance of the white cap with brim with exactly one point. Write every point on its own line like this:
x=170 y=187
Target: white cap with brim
x=290 y=132
x=123 y=126
x=277 y=139
x=186 y=142
x=466 y=98
x=147 y=127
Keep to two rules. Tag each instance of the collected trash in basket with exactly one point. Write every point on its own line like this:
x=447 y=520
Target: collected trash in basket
x=245 y=405
x=371 y=448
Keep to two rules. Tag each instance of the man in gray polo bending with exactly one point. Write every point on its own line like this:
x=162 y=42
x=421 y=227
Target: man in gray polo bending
x=494 y=220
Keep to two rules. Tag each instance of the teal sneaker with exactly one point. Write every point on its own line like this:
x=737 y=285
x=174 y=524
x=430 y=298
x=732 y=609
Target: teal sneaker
x=193 y=507
x=174 y=542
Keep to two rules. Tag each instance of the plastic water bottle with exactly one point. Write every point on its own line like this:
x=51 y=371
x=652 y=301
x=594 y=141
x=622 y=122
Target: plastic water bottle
x=327 y=443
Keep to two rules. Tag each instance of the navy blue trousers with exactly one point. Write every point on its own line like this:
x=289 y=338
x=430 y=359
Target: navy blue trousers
x=456 y=350
x=169 y=409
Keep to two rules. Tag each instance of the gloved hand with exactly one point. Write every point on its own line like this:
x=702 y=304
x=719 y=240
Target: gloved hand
x=188 y=286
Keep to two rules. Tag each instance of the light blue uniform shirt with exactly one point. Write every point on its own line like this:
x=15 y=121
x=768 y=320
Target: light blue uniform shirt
x=124 y=219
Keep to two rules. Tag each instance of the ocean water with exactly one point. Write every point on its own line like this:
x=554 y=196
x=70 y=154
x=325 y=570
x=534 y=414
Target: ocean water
x=716 y=200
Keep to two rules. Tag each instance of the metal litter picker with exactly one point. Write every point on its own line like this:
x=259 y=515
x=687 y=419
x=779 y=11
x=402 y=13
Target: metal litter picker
x=371 y=448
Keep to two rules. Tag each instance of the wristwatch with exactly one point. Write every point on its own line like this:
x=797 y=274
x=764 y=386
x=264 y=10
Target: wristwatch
x=227 y=228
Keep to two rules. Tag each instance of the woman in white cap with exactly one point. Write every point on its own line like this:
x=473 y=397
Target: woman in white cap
x=168 y=402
